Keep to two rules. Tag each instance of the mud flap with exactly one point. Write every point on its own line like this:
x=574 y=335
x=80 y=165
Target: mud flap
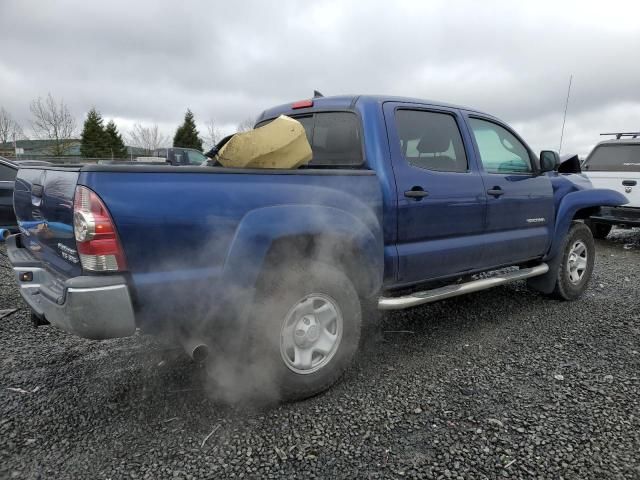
x=547 y=283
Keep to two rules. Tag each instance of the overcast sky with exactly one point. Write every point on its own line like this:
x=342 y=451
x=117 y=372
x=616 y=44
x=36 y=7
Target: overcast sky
x=149 y=61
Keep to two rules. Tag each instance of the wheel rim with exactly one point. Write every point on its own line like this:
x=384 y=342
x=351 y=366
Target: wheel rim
x=311 y=333
x=577 y=262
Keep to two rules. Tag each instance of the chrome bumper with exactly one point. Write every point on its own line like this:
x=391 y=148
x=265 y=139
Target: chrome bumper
x=88 y=306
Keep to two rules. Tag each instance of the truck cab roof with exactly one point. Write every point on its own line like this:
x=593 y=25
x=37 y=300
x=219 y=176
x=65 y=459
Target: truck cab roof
x=349 y=102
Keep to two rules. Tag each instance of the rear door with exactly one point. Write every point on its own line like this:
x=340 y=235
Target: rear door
x=441 y=199
x=616 y=166
x=43 y=203
x=7 y=178
x=520 y=207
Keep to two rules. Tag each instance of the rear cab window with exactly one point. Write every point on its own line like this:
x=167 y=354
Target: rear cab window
x=612 y=157
x=334 y=137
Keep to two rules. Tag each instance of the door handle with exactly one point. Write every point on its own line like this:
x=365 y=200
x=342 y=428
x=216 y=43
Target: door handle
x=417 y=193
x=495 y=191
x=629 y=183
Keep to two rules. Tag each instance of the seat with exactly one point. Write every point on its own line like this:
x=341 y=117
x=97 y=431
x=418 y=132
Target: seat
x=435 y=143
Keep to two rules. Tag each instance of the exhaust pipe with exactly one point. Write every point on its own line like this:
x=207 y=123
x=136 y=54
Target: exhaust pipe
x=197 y=350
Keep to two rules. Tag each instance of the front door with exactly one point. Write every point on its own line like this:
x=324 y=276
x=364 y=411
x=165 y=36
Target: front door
x=441 y=197
x=520 y=209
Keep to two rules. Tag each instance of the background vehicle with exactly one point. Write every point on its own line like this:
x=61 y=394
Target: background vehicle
x=403 y=203
x=8 y=172
x=615 y=164
x=181 y=156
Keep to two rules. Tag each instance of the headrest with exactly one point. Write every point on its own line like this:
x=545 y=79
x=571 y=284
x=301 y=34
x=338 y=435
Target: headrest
x=434 y=140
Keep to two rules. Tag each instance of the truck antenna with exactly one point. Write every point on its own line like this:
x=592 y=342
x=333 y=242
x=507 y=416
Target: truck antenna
x=564 y=119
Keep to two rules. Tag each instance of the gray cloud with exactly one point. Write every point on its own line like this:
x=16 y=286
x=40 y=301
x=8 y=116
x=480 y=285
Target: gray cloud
x=150 y=61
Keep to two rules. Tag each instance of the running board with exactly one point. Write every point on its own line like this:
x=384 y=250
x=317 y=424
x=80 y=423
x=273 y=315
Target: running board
x=428 y=296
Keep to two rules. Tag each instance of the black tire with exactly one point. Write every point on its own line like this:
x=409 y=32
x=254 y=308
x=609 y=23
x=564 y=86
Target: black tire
x=598 y=230
x=568 y=285
x=282 y=291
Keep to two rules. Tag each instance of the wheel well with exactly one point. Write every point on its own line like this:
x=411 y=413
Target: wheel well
x=585 y=213
x=336 y=251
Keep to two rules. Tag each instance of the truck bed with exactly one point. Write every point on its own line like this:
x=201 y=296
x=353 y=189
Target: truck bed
x=183 y=229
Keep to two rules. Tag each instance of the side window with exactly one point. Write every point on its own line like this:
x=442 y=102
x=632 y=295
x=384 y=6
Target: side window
x=500 y=151
x=431 y=141
x=195 y=158
x=161 y=153
x=7 y=174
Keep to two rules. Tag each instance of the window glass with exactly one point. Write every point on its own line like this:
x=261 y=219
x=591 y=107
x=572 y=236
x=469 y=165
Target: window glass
x=179 y=157
x=431 y=140
x=500 y=151
x=614 y=158
x=161 y=153
x=7 y=174
x=195 y=158
x=334 y=138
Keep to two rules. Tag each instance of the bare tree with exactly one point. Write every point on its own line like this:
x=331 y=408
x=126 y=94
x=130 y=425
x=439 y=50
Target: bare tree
x=213 y=135
x=245 y=125
x=10 y=130
x=148 y=138
x=53 y=121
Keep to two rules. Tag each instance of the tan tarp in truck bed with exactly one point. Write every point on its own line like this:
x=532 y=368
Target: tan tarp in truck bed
x=281 y=143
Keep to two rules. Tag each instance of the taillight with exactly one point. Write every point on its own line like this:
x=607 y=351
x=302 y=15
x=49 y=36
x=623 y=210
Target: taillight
x=96 y=237
x=302 y=104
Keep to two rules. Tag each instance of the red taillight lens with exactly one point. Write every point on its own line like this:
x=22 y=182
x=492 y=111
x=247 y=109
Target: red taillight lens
x=302 y=104
x=96 y=237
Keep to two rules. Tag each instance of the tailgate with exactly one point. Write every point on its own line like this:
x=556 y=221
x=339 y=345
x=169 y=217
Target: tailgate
x=43 y=201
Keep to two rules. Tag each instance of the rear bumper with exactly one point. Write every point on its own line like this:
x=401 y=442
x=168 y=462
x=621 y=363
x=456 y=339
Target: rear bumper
x=618 y=216
x=88 y=306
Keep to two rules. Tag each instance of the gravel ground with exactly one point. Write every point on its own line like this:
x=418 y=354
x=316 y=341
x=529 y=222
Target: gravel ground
x=503 y=383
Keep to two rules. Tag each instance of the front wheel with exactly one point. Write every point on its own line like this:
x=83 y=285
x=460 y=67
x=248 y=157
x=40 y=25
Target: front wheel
x=577 y=263
x=306 y=328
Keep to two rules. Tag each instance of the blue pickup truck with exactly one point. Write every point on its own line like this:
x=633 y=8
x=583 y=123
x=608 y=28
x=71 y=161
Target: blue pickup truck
x=404 y=202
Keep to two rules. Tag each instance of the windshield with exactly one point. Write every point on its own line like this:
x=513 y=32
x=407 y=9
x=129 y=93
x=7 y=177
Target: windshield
x=614 y=158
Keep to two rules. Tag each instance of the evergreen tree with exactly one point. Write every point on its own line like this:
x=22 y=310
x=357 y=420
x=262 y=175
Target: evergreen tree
x=94 y=138
x=186 y=135
x=115 y=143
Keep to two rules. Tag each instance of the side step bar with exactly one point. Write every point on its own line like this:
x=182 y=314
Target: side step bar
x=428 y=296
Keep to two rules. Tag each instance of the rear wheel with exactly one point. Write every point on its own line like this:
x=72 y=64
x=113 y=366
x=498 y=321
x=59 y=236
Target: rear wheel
x=598 y=230
x=577 y=263
x=306 y=328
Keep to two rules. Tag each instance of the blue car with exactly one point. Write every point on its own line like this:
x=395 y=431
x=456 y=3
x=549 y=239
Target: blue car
x=404 y=202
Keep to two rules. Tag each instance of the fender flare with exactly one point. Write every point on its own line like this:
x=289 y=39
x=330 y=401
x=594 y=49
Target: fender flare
x=261 y=228
x=565 y=215
x=572 y=202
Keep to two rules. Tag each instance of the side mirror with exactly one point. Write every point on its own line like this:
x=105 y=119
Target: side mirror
x=549 y=161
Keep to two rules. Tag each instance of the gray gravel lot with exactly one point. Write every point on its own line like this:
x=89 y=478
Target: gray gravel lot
x=503 y=383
